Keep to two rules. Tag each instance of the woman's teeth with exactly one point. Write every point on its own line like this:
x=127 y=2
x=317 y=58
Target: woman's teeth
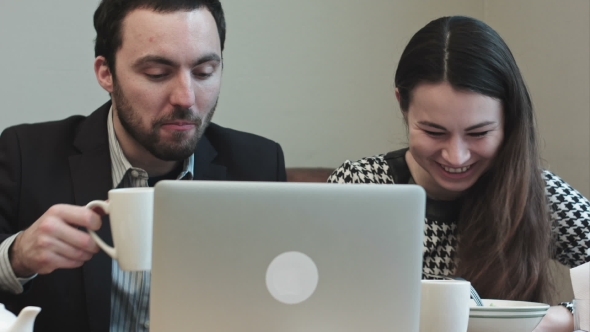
x=456 y=170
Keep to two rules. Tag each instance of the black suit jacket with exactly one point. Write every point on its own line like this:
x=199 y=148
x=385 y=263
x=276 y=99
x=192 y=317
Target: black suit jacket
x=68 y=162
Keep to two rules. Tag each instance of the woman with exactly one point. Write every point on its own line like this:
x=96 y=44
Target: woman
x=494 y=216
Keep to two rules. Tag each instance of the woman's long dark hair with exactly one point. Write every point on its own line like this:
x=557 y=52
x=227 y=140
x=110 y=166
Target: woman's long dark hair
x=504 y=231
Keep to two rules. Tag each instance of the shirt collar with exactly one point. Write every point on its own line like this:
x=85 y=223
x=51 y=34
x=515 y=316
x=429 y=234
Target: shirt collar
x=120 y=164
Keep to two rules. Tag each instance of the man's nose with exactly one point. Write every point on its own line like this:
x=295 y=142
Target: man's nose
x=183 y=92
x=456 y=152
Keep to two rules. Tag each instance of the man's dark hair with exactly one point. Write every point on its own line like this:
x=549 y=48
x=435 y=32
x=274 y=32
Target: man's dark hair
x=109 y=16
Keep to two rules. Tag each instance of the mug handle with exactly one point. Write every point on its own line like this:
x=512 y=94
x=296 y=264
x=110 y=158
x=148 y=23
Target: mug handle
x=106 y=208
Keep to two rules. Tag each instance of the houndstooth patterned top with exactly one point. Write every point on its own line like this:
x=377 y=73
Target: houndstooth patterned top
x=570 y=213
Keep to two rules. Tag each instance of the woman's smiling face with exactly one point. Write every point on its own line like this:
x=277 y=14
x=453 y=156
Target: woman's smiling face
x=454 y=136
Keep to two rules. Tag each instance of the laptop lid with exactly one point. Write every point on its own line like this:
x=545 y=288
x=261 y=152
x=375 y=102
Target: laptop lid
x=252 y=256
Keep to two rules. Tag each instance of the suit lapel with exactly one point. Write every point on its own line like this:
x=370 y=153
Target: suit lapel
x=205 y=166
x=92 y=179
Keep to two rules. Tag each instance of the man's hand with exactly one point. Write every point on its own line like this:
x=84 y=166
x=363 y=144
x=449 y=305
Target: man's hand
x=557 y=319
x=54 y=241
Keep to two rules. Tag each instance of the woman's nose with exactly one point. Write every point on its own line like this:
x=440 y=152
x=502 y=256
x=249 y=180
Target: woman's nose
x=456 y=152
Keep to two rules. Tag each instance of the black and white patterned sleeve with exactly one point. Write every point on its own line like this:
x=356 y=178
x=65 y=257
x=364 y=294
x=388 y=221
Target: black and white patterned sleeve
x=342 y=173
x=367 y=170
x=570 y=214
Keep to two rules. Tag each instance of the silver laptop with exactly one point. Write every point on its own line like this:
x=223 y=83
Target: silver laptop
x=286 y=257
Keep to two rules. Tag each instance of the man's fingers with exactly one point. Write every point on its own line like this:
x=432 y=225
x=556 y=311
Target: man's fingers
x=54 y=241
x=72 y=253
x=76 y=215
x=98 y=210
x=73 y=237
x=64 y=248
x=53 y=261
x=50 y=253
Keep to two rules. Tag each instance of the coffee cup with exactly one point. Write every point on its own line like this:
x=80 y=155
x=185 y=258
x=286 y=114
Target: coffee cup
x=581 y=315
x=444 y=305
x=131 y=218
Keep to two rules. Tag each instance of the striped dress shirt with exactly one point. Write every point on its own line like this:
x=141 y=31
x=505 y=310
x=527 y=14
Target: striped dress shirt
x=130 y=291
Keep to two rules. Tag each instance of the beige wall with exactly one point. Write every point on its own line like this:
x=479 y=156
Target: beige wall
x=46 y=55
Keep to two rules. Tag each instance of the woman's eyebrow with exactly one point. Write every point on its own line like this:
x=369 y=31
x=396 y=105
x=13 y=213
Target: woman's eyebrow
x=432 y=124
x=479 y=125
x=437 y=126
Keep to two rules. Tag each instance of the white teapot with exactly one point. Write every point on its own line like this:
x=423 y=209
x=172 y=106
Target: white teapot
x=23 y=323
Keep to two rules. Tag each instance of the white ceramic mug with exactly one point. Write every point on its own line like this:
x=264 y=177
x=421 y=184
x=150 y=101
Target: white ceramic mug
x=581 y=315
x=444 y=305
x=131 y=213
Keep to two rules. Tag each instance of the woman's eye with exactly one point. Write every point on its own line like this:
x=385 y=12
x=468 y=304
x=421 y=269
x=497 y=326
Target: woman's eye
x=479 y=134
x=434 y=133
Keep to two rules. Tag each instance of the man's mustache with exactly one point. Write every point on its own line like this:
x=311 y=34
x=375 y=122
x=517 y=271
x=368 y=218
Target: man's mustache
x=183 y=114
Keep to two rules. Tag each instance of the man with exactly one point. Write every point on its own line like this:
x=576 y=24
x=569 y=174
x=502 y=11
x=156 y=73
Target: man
x=161 y=62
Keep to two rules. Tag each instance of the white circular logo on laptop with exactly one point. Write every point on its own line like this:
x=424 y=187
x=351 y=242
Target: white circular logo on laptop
x=292 y=277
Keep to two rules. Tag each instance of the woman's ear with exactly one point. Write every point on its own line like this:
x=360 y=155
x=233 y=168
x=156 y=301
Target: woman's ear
x=405 y=115
x=404 y=112
x=103 y=73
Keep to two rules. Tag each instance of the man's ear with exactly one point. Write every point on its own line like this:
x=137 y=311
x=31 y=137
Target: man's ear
x=397 y=94
x=103 y=73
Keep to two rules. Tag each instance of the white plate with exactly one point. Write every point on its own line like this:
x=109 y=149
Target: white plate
x=498 y=306
x=504 y=324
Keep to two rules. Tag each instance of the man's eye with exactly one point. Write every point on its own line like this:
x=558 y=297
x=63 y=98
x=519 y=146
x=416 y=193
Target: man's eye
x=203 y=75
x=155 y=76
x=434 y=133
x=204 y=71
x=479 y=134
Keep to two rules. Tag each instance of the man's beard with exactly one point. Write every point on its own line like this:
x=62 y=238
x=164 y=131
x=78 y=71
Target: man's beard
x=179 y=147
